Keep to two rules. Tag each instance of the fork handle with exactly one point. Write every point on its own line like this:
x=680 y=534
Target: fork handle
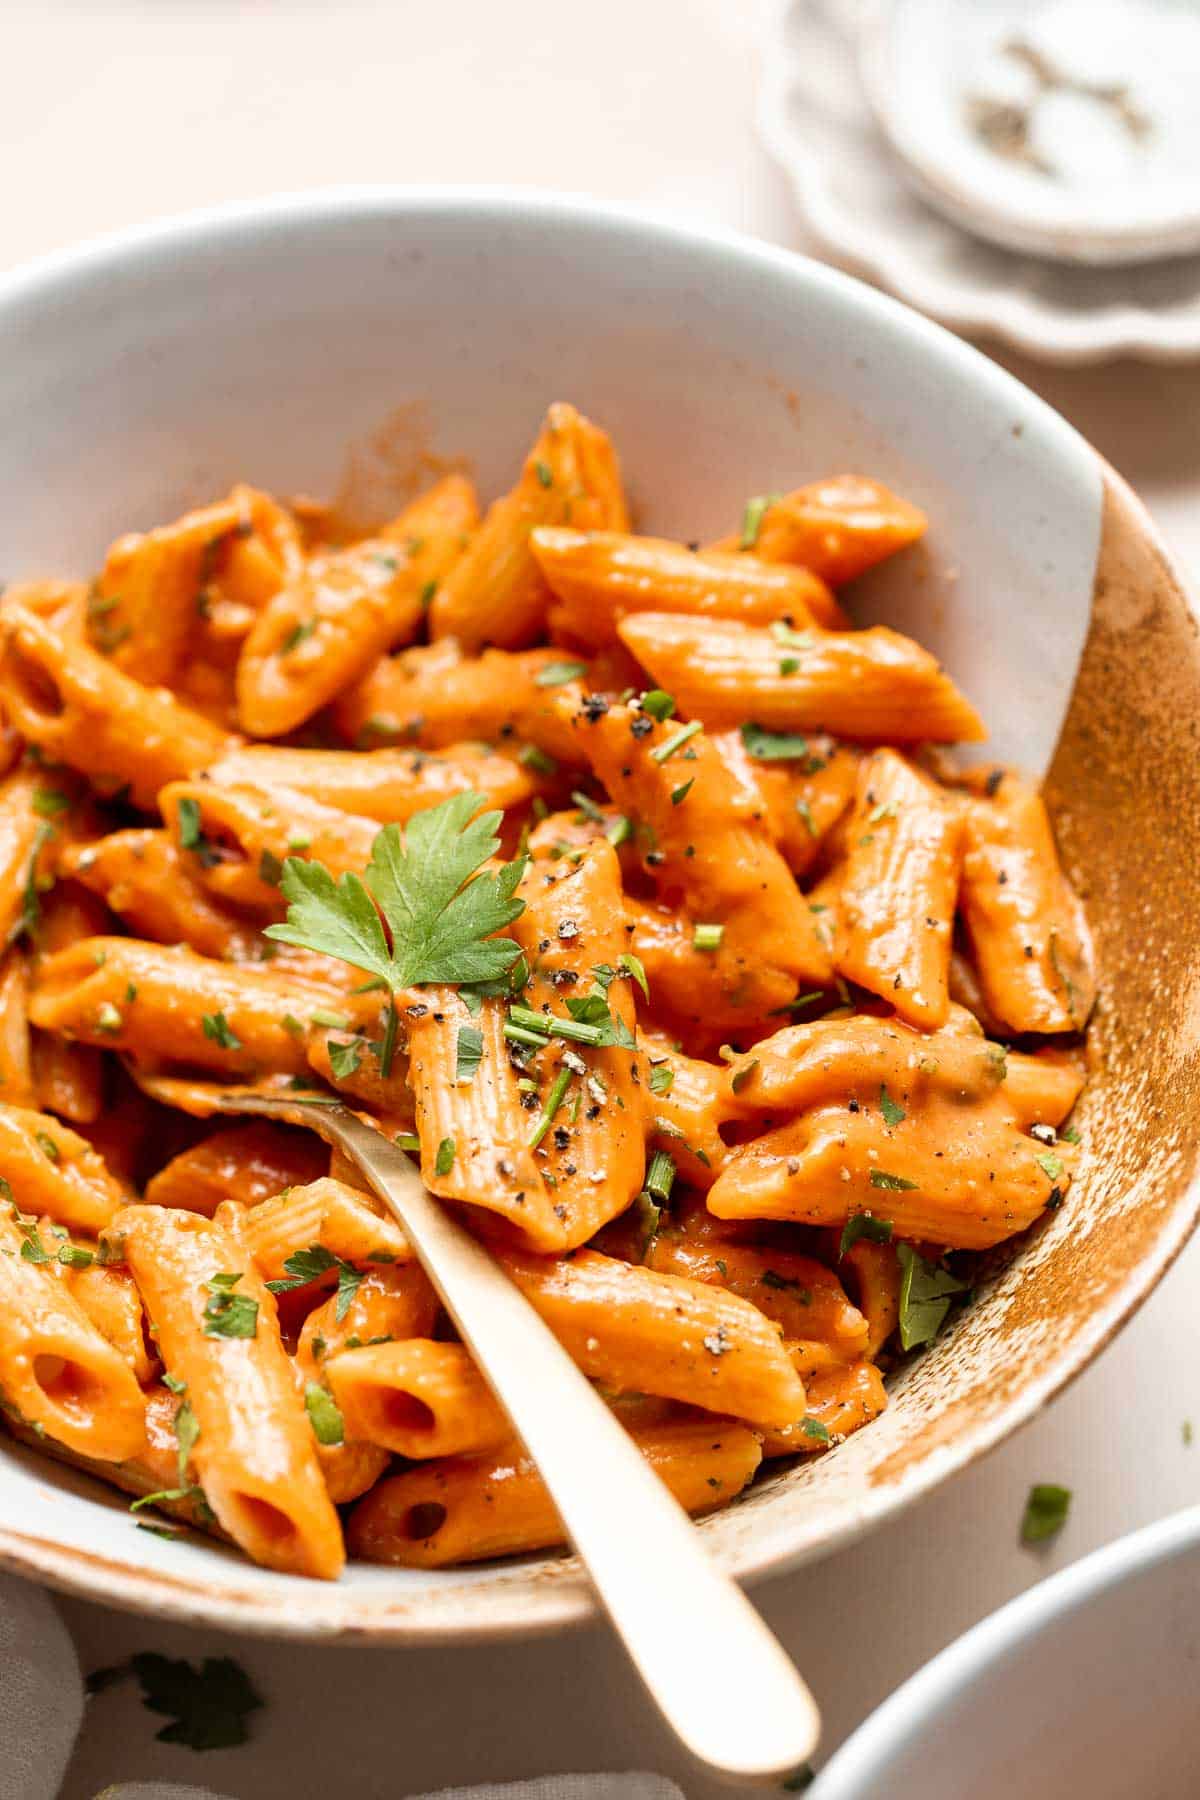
x=719 y=1677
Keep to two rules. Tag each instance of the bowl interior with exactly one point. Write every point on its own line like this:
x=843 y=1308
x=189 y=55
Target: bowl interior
x=269 y=343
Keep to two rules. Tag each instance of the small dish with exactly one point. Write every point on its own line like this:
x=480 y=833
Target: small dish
x=865 y=215
x=1068 y=131
x=1083 y=1685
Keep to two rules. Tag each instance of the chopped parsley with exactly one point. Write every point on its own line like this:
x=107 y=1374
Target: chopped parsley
x=773 y=746
x=219 y=1031
x=468 y=1052
x=345 y=1058
x=925 y=1294
x=1045 y=1513
x=864 y=1225
x=444 y=1161
x=893 y=1112
x=895 y=1184
x=324 y=1414
x=227 y=1314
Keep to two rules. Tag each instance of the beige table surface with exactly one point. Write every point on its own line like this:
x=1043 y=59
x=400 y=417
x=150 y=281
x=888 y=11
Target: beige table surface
x=116 y=110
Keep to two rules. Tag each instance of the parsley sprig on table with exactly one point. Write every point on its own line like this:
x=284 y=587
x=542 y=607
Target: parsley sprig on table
x=424 y=887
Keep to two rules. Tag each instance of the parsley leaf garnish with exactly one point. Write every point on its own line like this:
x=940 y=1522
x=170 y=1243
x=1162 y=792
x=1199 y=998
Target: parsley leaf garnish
x=439 y=911
x=227 y=1314
x=303 y=1266
x=207 y=1707
x=925 y=1294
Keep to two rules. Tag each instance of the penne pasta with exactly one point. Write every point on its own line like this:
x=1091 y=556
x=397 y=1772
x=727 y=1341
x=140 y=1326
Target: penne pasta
x=899 y=889
x=836 y=528
x=144 y=877
x=598 y=577
x=468 y=1509
x=329 y=1213
x=1030 y=940
x=143 y=611
x=244 y=1163
x=427 y=695
x=386 y=785
x=82 y=710
x=856 y=684
x=637 y=1331
x=57 y=1371
x=496 y=593
x=914 y=1129
x=253 y=1451
x=330 y=622
x=672 y=780
x=169 y=1008
x=51 y=1169
x=416 y=1398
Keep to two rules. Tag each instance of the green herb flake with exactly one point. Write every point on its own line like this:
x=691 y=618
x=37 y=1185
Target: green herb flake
x=218 y=1030
x=707 y=937
x=545 y=473
x=894 y=1184
x=752 y=519
x=806 y=818
x=468 y=1052
x=270 y=869
x=813 y=1428
x=444 y=1161
x=662 y=1078
x=557 y=674
x=658 y=704
x=228 y=1314
x=893 y=1113
x=299 y=634
x=553 y=1101
x=864 y=1225
x=1050 y=1165
x=773 y=746
x=324 y=1414
x=47 y=1146
x=48 y=803
x=344 y=1058
x=925 y=1294
x=663 y=752
x=680 y=794
x=1045 y=1512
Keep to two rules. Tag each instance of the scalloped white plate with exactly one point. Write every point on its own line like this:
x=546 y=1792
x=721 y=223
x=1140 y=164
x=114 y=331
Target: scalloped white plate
x=855 y=200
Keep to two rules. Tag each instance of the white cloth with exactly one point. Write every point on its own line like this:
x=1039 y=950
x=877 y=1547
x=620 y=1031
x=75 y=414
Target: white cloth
x=42 y=1701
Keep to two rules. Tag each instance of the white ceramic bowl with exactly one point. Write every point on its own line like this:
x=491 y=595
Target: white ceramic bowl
x=1084 y=1686
x=146 y=372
